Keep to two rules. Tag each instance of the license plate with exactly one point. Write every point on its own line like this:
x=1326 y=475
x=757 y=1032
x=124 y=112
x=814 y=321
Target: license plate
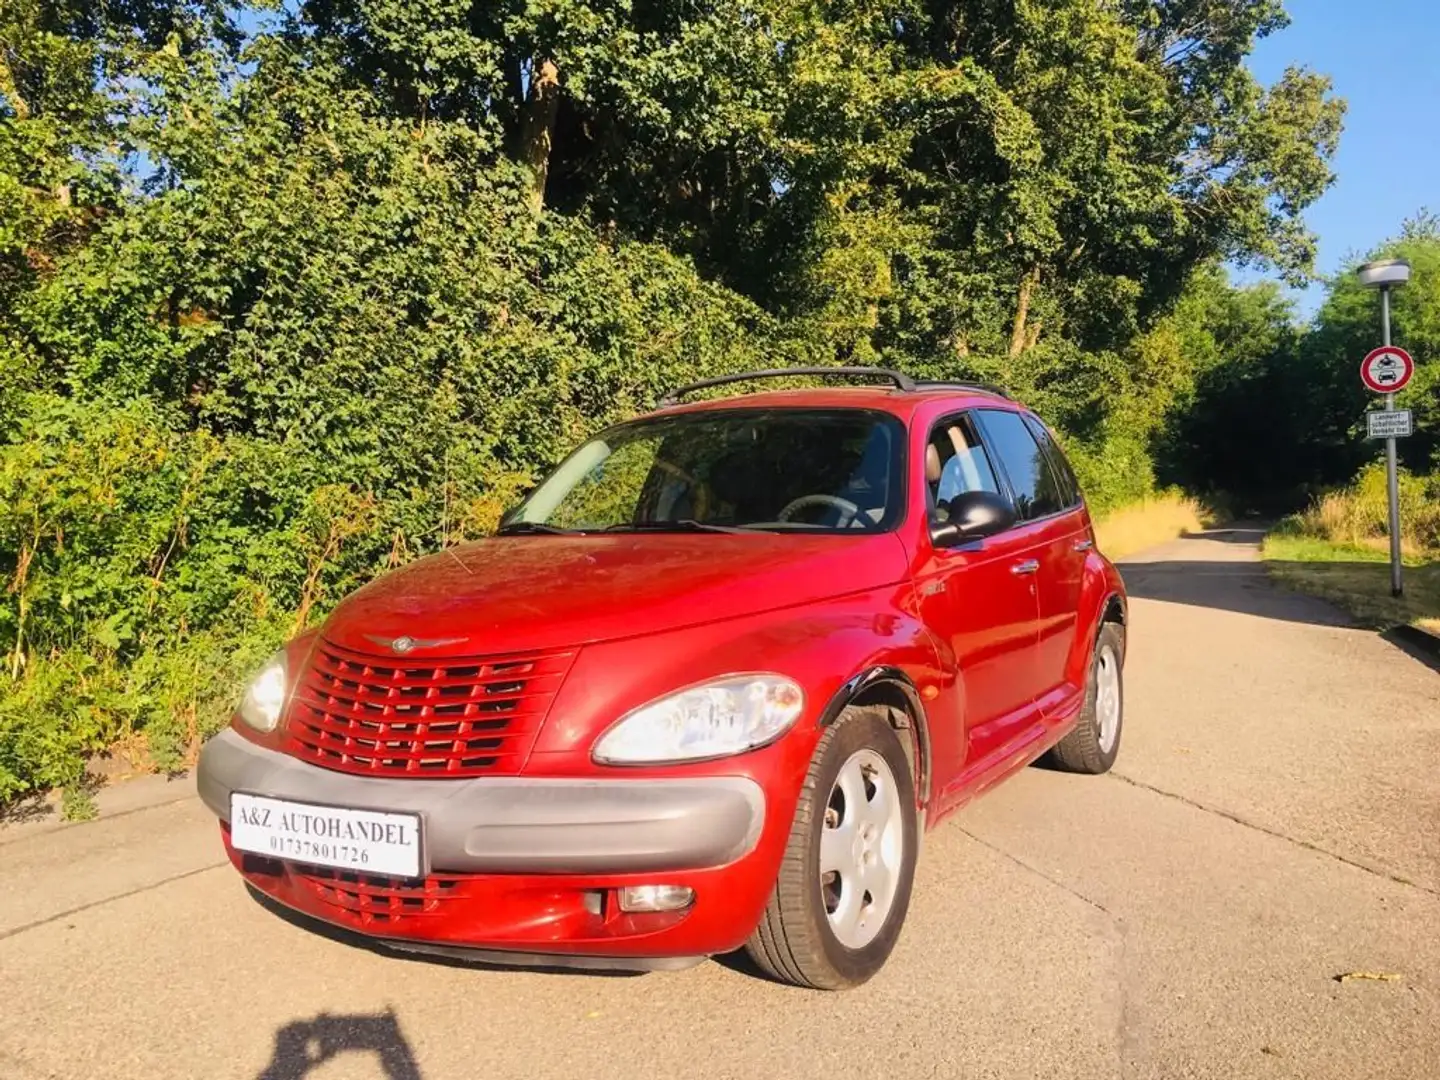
x=373 y=841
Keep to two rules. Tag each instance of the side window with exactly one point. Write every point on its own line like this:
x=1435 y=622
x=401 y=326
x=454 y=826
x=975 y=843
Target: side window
x=1036 y=490
x=1064 y=474
x=956 y=462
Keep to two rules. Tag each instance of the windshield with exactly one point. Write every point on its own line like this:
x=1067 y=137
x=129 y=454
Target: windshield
x=812 y=470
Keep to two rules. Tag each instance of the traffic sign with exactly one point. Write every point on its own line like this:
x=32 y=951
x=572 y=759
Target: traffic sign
x=1389 y=424
x=1387 y=369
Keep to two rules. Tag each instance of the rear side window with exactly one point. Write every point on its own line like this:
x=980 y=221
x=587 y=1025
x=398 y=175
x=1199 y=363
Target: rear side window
x=1064 y=474
x=1033 y=482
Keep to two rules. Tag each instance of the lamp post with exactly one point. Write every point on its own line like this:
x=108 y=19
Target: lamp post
x=1387 y=274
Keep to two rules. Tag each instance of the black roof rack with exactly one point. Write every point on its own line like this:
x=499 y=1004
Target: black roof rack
x=946 y=384
x=901 y=381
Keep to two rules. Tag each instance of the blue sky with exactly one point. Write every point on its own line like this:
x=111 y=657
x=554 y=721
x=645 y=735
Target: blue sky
x=1381 y=56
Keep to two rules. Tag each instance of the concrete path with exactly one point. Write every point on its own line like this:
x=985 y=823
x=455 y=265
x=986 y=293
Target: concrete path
x=1273 y=822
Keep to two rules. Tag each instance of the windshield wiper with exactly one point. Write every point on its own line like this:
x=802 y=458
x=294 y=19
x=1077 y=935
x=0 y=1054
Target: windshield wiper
x=524 y=527
x=680 y=525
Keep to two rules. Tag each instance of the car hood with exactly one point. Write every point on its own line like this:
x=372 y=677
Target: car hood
x=521 y=593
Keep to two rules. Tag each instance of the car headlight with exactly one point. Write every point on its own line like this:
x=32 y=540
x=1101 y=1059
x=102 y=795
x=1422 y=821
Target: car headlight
x=265 y=696
x=717 y=719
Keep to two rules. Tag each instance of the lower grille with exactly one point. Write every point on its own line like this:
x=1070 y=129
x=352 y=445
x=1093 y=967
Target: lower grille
x=370 y=901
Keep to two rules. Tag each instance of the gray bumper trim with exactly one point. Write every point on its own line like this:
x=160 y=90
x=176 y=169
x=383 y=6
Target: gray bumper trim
x=559 y=961
x=515 y=824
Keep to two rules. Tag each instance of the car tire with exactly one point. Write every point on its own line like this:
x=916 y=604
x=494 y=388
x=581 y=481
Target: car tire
x=1094 y=742
x=818 y=930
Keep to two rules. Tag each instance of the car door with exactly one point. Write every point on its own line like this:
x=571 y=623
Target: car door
x=1060 y=589
x=1051 y=517
x=980 y=600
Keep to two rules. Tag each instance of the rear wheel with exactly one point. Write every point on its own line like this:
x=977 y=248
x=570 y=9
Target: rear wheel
x=1094 y=743
x=844 y=883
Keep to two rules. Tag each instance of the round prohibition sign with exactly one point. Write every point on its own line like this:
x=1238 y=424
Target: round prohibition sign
x=1387 y=369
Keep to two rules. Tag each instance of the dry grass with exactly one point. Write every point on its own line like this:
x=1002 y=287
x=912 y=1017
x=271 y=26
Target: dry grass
x=1145 y=524
x=1359 y=516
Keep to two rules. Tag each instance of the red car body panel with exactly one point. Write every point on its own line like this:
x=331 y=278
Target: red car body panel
x=524 y=593
x=992 y=662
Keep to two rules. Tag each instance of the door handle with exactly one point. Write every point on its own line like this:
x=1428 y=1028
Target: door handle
x=1084 y=545
x=1029 y=566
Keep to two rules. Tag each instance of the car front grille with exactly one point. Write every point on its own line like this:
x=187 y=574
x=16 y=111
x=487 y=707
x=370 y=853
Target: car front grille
x=385 y=716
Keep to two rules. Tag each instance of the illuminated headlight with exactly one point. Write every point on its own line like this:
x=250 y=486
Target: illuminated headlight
x=728 y=716
x=265 y=697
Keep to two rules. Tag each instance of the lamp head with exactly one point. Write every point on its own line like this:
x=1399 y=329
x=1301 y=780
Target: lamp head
x=1384 y=272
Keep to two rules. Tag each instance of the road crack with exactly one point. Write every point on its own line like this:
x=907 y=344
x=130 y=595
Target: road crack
x=1374 y=871
x=1041 y=874
x=16 y=930
x=1124 y=1037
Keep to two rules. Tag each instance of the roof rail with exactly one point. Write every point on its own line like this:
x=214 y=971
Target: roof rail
x=901 y=381
x=947 y=384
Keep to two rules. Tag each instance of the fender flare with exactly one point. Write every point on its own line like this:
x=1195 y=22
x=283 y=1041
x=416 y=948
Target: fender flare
x=913 y=717
x=1102 y=600
x=1113 y=609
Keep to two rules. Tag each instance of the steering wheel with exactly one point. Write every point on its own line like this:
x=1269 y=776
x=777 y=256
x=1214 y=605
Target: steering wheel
x=848 y=510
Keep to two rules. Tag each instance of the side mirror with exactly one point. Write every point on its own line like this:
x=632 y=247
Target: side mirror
x=974 y=515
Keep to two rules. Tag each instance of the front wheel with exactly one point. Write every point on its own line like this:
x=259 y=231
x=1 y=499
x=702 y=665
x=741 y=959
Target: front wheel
x=844 y=883
x=1095 y=741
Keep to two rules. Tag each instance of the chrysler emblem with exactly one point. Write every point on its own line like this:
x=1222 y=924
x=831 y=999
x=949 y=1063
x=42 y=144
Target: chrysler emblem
x=405 y=643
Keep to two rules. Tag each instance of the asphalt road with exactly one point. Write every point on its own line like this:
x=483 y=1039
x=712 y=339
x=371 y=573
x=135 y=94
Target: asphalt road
x=1273 y=822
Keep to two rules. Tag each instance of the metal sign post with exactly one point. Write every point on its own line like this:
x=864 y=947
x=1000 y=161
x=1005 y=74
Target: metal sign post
x=1392 y=468
x=1378 y=372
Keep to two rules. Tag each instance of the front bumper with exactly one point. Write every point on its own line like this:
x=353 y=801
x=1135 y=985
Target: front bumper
x=517 y=824
x=530 y=867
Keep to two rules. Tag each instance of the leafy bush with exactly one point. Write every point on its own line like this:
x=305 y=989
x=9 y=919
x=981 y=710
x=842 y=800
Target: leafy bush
x=279 y=310
x=345 y=348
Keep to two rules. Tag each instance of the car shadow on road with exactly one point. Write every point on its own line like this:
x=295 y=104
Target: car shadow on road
x=306 y=1045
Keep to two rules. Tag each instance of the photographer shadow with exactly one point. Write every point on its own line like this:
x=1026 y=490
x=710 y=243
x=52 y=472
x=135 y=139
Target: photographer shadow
x=303 y=1046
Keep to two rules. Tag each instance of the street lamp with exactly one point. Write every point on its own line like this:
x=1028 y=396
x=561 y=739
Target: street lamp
x=1387 y=274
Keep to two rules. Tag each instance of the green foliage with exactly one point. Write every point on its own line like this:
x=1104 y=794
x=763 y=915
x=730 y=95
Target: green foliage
x=1277 y=414
x=278 y=313
x=1348 y=326
x=337 y=344
x=77 y=804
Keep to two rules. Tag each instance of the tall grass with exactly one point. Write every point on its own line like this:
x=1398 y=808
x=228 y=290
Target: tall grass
x=1358 y=516
x=1151 y=521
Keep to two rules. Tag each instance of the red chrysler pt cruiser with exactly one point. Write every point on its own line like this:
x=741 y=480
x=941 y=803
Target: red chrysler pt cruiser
x=705 y=688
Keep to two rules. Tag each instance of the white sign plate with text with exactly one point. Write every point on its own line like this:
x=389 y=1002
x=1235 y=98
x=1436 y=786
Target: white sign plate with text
x=1391 y=424
x=371 y=841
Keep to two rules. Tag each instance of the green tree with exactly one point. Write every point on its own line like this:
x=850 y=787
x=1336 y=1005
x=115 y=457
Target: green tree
x=279 y=312
x=1240 y=428
x=1076 y=161
x=1348 y=326
x=1277 y=411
